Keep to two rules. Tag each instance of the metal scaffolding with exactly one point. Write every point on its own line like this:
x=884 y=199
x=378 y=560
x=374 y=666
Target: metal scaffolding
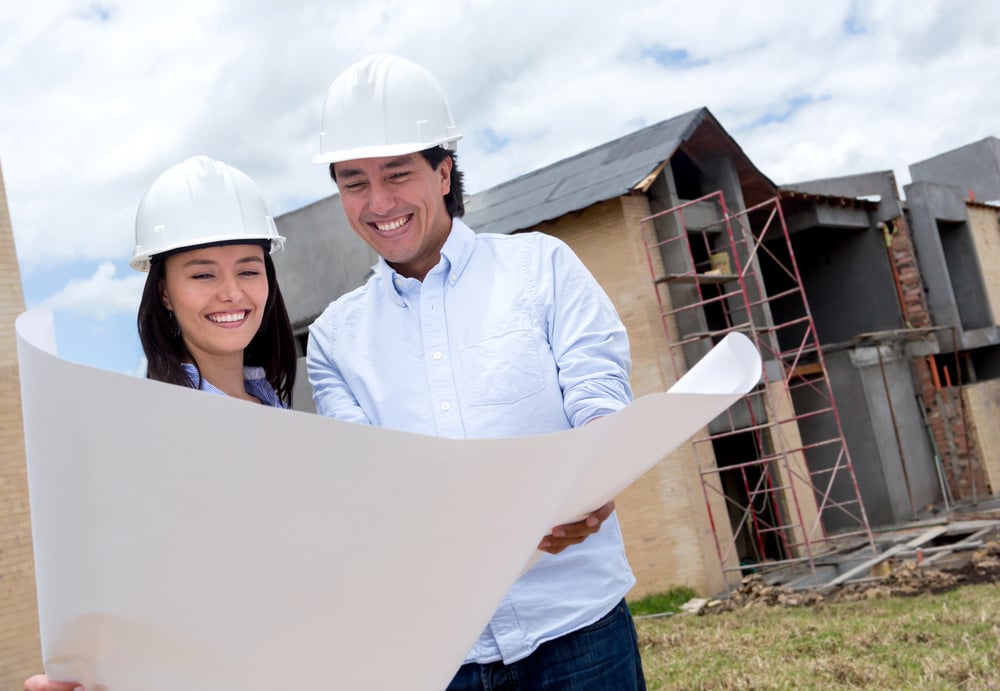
x=777 y=459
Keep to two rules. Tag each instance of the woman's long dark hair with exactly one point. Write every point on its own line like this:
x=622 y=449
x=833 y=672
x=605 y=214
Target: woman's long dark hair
x=272 y=347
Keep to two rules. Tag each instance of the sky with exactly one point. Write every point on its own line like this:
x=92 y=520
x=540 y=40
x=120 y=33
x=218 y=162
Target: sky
x=98 y=98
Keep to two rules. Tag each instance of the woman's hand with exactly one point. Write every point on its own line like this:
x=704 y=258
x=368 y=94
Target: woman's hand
x=40 y=682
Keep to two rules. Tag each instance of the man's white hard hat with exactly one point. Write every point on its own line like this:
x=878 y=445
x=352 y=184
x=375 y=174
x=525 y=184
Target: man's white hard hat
x=197 y=202
x=384 y=105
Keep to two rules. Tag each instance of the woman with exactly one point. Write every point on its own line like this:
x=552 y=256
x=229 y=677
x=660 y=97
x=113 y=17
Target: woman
x=211 y=315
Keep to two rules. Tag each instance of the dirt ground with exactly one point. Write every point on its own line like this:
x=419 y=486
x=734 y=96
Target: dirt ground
x=904 y=578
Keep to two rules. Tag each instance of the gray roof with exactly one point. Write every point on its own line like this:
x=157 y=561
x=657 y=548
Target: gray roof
x=604 y=172
x=323 y=258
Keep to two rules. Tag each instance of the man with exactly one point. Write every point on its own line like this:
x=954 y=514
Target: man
x=473 y=336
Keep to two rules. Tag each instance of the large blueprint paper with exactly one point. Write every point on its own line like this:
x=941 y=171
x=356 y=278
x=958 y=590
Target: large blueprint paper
x=190 y=541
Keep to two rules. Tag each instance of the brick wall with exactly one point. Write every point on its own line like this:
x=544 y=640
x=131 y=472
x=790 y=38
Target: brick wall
x=19 y=651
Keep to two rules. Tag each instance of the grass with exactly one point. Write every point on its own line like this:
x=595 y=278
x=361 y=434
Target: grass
x=945 y=641
x=659 y=603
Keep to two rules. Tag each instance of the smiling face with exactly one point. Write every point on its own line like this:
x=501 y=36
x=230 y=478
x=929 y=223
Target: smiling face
x=396 y=205
x=217 y=295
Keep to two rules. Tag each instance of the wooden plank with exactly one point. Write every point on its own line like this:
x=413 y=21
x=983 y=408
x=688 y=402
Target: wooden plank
x=704 y=279
x=974 y=541
x=924 y=537
x=807 y=369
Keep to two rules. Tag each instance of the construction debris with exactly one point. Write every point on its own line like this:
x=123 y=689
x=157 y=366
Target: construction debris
x=695 y=605
x=903 y=578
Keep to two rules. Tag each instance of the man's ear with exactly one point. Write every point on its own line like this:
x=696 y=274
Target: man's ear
x=444 y=170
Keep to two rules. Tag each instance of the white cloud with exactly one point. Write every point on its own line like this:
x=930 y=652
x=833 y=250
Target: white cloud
x=140 y=369
x=99 y=98
x=101 y=296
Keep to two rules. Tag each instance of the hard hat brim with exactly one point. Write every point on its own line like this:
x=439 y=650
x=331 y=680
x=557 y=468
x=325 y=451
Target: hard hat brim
x=142 y=261
x=339 y=156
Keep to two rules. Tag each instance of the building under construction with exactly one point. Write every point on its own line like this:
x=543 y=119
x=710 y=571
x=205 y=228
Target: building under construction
x=877 y=320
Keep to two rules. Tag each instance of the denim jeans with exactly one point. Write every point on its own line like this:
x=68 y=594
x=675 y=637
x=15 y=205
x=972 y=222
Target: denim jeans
x=601 y=657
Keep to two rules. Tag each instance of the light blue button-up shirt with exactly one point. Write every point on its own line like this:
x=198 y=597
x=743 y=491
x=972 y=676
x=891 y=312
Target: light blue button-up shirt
x=508 y=335
x=254 y=378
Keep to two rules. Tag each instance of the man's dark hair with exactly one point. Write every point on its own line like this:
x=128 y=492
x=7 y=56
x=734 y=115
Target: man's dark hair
x=272 y=347
x=454 y=201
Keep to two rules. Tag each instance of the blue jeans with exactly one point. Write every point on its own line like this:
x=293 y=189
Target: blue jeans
x=601 y=657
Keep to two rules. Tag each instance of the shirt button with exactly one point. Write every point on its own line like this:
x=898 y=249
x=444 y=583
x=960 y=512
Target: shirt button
x=445 y=407
x=453 y=277
x=437 y=355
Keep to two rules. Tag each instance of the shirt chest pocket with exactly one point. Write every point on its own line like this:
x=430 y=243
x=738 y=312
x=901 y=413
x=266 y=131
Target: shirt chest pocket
x=503 y=362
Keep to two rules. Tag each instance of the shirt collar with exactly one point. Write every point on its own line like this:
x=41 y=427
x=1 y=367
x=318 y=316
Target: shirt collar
x=458 y=249
x=455 y=255
x=254 y=376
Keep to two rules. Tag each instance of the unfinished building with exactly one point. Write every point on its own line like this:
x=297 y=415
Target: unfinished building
x=878 y=320
x=875 y=318
x=952 y=206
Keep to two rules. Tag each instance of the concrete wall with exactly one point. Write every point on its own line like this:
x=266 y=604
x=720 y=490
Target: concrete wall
x=899 y=431
x=846 y=386
x=842 y=256
x=971 y=168
x=885 y=435
x=842 y=268
x=20 y=655
x=956 y=293
x=672 y=257
x=880 y=184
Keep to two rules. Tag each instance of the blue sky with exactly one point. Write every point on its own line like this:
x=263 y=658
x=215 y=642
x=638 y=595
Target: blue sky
x=101 y=97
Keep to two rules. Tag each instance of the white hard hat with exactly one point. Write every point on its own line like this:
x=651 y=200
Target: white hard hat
x=384 y=105
x=200 y=202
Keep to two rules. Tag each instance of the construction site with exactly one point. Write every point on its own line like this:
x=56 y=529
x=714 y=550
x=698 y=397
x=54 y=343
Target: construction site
x=871 y=435
x=875 y=310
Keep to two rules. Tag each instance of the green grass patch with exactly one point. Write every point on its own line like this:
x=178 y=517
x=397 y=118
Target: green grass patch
x=659 y=603
x=945 y=641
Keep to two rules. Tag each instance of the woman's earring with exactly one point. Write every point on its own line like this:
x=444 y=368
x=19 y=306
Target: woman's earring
x=176 y=328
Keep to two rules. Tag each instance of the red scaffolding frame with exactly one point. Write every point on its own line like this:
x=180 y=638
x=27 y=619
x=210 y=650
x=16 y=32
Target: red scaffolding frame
x=777 y=459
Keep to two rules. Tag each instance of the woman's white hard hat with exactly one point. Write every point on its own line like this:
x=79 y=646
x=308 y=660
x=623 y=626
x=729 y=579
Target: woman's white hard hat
x=384 y=105
x=197 y=202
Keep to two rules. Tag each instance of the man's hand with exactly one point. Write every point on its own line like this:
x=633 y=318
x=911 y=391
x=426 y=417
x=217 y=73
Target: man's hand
x=40 y=682
x=562 y=536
